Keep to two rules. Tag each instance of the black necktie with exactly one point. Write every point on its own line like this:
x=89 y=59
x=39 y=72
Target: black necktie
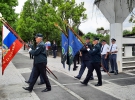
x=102 y=48
x=111 y=48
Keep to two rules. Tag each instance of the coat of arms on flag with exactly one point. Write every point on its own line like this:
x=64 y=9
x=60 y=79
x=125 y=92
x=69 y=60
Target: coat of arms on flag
x=10 y=46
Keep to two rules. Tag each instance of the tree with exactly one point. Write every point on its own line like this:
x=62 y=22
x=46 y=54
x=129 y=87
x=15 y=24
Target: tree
x=100 y=36
x=125 y=32
x=39 y=16
x=26 y=22
x=46 y=17
x=69 y=11
x=7 y=9
x=133 y=30
x=101 y=28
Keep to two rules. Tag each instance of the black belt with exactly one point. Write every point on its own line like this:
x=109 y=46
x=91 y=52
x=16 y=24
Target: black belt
x=113 y=54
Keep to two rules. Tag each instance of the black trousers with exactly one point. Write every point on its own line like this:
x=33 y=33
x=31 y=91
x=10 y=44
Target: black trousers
x=105 y=62
x=40 y=68
x=89 y=73
x=74 y=60
x=31 y=56
x=93 y=66
x=54 y=53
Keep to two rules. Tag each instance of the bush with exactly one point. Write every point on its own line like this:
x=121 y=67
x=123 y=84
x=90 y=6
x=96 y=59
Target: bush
x=100 y=36
x=125 y=32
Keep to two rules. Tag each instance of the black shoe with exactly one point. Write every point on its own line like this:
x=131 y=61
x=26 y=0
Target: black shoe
x=75 y=68
x=46 y=90
x=111 y=72
x=27 y=88
x=40 y=83
x=98 y=84
x=76 y=77
x=91 y=78
x=83 y=83
x=115 y=73
x=27 y=82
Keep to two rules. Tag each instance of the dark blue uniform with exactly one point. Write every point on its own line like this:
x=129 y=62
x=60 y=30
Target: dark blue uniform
x=95 y=64
x=85 y=60
x=40 y=62
x=54 y=49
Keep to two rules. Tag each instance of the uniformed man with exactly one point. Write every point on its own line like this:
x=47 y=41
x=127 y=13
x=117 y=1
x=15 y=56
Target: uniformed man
x=54 y=49
x=85 y=58
x=31 y=46
x=104 y=55
x=40 y=62
x=113 y=57
x=95 y=63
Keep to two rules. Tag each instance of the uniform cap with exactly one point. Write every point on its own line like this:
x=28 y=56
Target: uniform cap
x=87 y=38
x=103 y=41
x=113 y=39
x=39 y=35
x=96 y=38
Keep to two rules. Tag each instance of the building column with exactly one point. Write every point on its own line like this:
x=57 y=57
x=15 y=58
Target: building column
x=116 y=32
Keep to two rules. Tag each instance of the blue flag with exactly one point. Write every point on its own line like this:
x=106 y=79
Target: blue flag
x=74 y=46
x=64 y=49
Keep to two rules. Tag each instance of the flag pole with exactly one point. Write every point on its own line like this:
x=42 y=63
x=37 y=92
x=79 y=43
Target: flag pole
x=74 y=32
x=55 y=24
x=7 y=25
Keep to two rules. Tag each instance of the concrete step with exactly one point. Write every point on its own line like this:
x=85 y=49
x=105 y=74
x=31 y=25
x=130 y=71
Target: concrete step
x=132 y=63
x=128 y=58
x=124 y=62
x=128 y=67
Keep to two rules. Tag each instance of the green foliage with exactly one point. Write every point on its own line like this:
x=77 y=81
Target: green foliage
x=133 y=30
x=8 y=12
x=26 y=22
x=100 y=36
x=131 y=20
x=100 y=29
x=70 y=11
x=40 y=16
x=125 y=32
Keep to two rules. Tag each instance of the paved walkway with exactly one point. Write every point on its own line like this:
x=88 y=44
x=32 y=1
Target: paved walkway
x=117 y=87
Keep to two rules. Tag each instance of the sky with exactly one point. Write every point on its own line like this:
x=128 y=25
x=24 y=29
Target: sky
x=94 y=20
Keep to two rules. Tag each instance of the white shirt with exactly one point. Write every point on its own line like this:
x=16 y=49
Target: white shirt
x=112 y=48
x=104 y=49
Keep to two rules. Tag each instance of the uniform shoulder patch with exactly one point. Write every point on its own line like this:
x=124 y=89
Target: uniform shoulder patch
x=37 y=48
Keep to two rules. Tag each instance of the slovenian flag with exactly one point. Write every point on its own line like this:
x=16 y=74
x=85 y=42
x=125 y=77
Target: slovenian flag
x=10 y=46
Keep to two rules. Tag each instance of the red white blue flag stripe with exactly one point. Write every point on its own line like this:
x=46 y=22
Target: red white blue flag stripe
x=10 y=46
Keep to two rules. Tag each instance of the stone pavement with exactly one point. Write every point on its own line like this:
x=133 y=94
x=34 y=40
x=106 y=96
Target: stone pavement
x=11 y=84
x=120 y=87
